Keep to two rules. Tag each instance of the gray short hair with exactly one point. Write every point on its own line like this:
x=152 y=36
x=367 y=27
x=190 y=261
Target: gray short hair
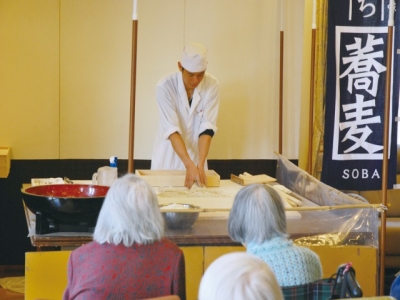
x=257 y=215
x=130 y=214
x=239 y=276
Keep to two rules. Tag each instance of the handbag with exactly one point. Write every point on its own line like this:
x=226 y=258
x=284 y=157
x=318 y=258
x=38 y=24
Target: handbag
x=340 y=285
x=322 y=289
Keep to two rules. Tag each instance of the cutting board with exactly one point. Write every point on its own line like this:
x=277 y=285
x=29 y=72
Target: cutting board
x=262 y=178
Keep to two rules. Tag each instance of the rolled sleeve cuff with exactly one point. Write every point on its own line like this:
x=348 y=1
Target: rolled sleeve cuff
x=207 y=125
x=171 y=131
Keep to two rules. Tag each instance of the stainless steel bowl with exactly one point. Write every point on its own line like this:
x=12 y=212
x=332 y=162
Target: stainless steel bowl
x=180 y=218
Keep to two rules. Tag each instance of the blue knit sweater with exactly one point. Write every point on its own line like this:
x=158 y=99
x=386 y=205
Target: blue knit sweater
x=291 y=264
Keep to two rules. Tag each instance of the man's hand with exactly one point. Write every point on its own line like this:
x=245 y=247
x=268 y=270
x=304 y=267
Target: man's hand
x=192 y=176
x=202 y=177
x=193 y=173
x=197 y=175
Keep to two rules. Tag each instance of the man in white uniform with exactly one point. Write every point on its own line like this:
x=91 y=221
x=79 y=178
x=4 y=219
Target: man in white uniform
x=188 y=102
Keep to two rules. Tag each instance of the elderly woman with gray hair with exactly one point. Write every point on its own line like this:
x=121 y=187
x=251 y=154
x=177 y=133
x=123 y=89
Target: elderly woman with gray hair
x=257 y=220
x=129 y=257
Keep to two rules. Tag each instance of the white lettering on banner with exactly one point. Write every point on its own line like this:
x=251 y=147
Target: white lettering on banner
x=362 y=60
x=368 y=8
x=364 y=6
x=363 y=64
x=354 y=131
x=354 y=117
x=363 y=174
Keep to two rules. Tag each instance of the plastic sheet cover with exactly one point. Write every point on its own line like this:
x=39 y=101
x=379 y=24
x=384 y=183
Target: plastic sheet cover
x=328 y=216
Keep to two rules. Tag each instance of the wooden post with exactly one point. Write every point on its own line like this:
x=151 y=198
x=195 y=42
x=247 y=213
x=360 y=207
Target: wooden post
x=389 y=46
x=281 y=77
x=312 y=76
x=133 y=89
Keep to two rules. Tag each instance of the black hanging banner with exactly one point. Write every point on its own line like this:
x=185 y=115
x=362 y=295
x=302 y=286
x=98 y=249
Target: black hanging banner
x=355 y=95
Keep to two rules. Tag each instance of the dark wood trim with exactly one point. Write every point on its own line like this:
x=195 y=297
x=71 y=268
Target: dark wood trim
x=12 y=271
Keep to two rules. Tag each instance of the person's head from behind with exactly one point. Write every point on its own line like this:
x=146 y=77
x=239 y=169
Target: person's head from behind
x=193 y=64
x=130 y=214
x=239 y=276
x=257 y=215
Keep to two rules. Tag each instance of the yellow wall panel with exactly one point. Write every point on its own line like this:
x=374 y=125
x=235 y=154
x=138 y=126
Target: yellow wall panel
x=212 y=253
x=363 y=258
x=95 y=58
x=46 y=274
x=29 y=78
x=194 y=270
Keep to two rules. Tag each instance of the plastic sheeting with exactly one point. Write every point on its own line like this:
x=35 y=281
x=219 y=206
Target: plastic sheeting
x=328 y=216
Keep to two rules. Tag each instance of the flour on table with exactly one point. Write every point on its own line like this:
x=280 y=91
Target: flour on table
x=175 y=206
x=199 y=192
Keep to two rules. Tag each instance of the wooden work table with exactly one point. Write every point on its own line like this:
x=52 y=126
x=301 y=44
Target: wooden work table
x=207 y=240
x=211 y=227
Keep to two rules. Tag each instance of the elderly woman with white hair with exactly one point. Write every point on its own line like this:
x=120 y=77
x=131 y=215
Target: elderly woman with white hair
x=129 y=257
x=257 y=220
x=239 y=276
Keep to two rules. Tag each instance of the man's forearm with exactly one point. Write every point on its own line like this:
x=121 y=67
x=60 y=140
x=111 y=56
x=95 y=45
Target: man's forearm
x=180 y=148
x=204 y=147
x=192 y=174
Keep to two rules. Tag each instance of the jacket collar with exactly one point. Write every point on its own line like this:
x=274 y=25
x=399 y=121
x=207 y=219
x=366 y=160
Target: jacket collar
x=183 y=95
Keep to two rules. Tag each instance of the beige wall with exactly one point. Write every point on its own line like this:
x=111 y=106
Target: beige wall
x=65 y=74
x=29 y=78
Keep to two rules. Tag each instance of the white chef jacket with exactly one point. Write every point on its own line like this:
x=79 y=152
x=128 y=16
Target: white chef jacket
x=177 y=116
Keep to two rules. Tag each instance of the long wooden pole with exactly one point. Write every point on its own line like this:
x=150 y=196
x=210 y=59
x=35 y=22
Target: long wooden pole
x=389 y=46
x=133 y=89
x=281 y=76
x=312 y=76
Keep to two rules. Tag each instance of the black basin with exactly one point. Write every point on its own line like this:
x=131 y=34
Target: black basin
x=66 y=203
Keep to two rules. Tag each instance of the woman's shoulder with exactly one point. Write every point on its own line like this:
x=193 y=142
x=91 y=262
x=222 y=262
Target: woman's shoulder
x=275 y=244
x=308 y=256
x=166 y=248
x=169 y=245
x=87 y=249
x=306 y=250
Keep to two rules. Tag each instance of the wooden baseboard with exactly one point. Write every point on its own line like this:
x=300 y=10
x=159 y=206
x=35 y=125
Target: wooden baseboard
x=12 y=270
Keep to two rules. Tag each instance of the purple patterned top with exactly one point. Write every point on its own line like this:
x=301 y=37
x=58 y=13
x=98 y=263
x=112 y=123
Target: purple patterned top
x=106 y=271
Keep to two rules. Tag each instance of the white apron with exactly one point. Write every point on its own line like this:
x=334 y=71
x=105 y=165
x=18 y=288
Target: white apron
x=177 y=116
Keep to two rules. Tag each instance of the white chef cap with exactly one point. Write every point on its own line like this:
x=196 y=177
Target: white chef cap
x=194 y=57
